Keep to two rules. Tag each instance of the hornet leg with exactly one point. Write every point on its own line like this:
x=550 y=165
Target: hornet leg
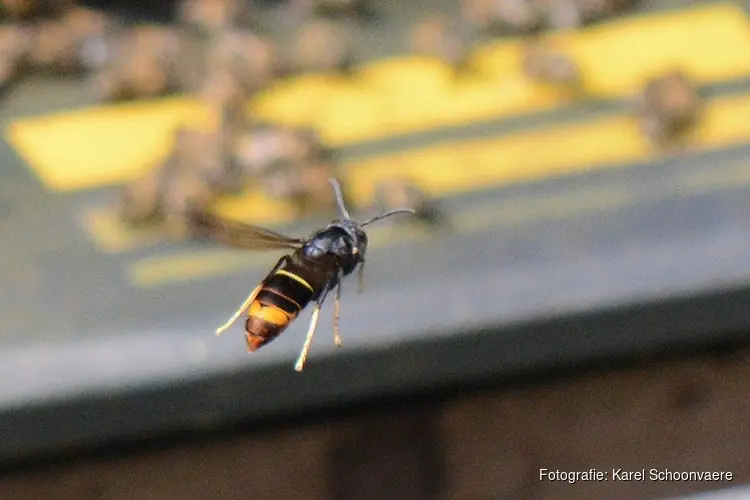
x=248 y=301
x=299 y=366
x=336 y=311
x=239 y=311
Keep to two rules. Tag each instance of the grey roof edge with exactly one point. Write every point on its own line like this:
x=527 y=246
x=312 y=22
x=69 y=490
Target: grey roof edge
x=251 y=394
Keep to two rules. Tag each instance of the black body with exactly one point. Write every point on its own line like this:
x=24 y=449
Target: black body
x=315 y=267
x=305 y=276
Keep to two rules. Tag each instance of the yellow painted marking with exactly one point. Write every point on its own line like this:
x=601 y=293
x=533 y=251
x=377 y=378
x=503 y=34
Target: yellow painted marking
x=408 y=94
x=254 y=205
x=112 y=144
x=299 y=100
x=193 y=265
x=455 y=167
x=176 y=267
x=104 y=145
x=296 y=278
x=477 y=218
x=110 y=235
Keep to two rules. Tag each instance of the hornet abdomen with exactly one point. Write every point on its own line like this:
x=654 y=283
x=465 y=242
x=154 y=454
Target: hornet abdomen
x=281 y=297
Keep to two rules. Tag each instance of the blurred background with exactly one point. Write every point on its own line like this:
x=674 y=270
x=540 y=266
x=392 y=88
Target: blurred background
x=573 y=292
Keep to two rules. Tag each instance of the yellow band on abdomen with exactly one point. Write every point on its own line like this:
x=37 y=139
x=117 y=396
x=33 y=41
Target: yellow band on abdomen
x=270 y=313
x=296 y=278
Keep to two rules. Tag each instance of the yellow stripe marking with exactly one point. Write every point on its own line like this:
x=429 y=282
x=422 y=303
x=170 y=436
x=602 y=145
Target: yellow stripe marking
x=478 y=218
x=113 y=144
x=112 y=236
x=408 y=94
x=255 y=205
x=193 y=265
x=183 y=267
x=551 y=151
x=104 y=145
x=460 y=166
x=296 y=278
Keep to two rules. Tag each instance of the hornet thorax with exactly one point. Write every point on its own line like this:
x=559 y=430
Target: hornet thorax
x=343 y=244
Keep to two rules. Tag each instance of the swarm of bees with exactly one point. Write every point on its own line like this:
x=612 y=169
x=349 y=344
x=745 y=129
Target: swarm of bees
x=286 y=163
x=234 y=61
x=196 y=173
x=218 y=51
x=229 y=63
x=668 y=108
x=48 y=37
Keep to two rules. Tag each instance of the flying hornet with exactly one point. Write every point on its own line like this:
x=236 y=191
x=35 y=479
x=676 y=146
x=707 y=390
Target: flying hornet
x=314 y=269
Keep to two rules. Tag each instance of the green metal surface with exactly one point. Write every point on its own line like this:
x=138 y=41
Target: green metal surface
x=545 y=274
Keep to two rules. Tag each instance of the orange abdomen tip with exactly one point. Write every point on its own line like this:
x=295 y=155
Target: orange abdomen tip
x=264 y=323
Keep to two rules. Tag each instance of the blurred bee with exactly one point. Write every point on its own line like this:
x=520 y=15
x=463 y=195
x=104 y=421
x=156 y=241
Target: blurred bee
x=206 y=152
x=562 y=14
x=17 y=9
x=437 y=37
x=529 y=16
x=542 y=64
x=222 y=92
x=91 y=29
x=195 y=174
x=14 y=44
x=321 y=46
x=143 y=62
x=53 y=47
x=160 y=200
x=264 y=146
x=212 y=17
x=399 y=191
x=250 y=59
x=305 y=185
x=58 y=45
x=353 y=9
x=497 y=16
x=668 y=107
x=188 y=190
x=314 y=269
x=307 y=9
x=20 y=10
x=596 y=10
